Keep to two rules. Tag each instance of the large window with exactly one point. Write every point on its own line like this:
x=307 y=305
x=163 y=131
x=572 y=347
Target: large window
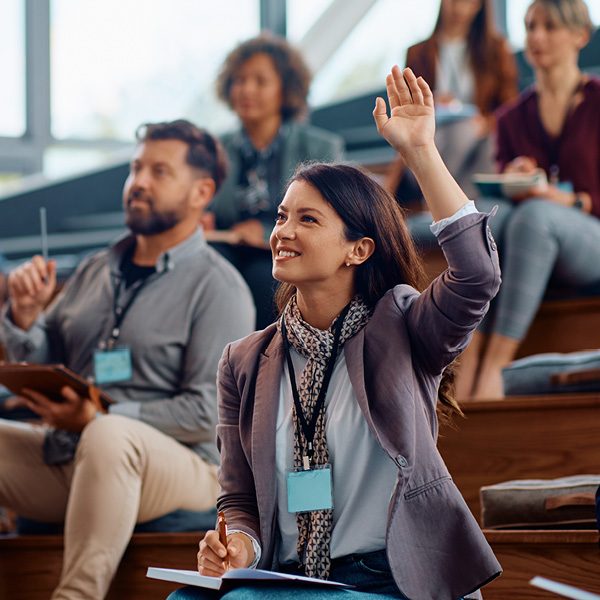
x=118 y=63
x=378 y=41
x=301 y=15
x=12 y=49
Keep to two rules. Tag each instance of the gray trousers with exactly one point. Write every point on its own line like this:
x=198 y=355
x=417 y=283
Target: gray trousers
x=538 y=242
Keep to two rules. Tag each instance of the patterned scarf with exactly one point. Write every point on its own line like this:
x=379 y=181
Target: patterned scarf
x=314 y=528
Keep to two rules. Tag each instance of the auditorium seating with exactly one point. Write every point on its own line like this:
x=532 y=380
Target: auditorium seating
x=571 y=557
x=30 y=565
x=528 y=437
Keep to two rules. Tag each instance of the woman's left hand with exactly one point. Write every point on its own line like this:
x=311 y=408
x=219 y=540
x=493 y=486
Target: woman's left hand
x=552 y=193
x=411 y=125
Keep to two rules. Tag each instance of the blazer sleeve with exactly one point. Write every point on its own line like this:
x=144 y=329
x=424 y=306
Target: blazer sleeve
x=441 y=320
x=237 y=497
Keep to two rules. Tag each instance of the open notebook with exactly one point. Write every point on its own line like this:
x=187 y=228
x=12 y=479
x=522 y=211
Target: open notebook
x=567 y=591
x=234 y=577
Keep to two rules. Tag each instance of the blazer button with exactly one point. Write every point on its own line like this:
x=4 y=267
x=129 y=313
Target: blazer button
x=401 y=461
x=491 y=238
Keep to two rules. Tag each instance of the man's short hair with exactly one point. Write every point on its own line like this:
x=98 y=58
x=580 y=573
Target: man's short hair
x=205 y=151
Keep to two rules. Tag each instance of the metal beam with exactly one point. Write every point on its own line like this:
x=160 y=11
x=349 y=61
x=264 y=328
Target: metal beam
x=500 y=15
x=37 y=76
x=331 y=29
x=273 y=16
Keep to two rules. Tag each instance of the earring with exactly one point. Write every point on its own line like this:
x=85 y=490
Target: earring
x=347 y=263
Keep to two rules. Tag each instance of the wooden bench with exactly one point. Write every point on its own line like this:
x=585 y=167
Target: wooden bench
x=571 y=557
x=30 y=565
x=533 y=437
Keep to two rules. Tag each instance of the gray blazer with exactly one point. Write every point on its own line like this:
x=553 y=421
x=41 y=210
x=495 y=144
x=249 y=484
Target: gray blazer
x=435 y=547
x=300 y=142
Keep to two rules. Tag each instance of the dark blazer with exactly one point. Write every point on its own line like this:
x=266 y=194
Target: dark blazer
x=300 y=142
x=496 y=86
x=434 y=545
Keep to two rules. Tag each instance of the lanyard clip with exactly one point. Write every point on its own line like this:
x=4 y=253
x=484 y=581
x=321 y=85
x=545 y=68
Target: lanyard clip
x=306 y=462
x=114 y=336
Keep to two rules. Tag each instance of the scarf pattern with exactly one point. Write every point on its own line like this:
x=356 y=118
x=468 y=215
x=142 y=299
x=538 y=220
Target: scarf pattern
x=315 y=527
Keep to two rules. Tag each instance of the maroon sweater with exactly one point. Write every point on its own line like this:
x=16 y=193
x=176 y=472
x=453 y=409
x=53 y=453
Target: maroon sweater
x=576 y=151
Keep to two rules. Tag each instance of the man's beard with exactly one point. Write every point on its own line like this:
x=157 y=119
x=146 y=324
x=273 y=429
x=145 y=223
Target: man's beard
x=150 y=223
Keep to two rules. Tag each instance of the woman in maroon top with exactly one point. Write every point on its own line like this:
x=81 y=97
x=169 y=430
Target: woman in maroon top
x=552 y=231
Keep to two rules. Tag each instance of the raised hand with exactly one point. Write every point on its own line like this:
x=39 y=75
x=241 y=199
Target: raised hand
x=31 y=286
x=410 y=129
x=411 y=125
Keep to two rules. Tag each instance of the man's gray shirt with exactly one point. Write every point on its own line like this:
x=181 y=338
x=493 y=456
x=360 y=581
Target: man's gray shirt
x=177 y=327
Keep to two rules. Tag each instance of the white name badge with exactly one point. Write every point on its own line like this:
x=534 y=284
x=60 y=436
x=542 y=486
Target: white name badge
x=309 y=490
x=111 y=366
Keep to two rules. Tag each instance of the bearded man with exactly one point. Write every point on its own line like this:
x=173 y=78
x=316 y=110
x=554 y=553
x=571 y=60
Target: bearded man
x=146 y=320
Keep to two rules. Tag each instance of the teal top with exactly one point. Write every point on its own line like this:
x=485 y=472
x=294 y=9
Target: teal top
x=297 y=142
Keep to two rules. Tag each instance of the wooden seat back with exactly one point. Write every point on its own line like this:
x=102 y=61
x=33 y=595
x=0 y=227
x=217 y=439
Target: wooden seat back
x=30 y=565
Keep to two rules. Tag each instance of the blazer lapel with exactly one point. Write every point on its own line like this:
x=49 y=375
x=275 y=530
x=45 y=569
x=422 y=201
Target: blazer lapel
x=356 y=369
x=354 y=354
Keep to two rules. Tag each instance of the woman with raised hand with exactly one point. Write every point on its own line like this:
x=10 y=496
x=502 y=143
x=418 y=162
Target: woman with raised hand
x=328 y=418
x=265 y=81
x=547 y=233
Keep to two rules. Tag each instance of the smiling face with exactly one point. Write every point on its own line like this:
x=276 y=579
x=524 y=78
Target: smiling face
x=309 y=247
x=257 y=90
x=160 y=188
x=549 y=42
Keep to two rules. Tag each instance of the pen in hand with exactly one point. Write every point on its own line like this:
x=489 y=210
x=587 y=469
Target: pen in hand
x=44 y=237
x=44 y=233
x=223 y=534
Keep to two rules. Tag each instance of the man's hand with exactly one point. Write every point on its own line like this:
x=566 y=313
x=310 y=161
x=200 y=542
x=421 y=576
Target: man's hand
x=30 y=287
x=212 y=557
x=73 y=414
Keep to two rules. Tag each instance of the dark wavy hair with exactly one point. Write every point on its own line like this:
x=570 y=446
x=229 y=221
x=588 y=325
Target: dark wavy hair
x=205 y=151
x=368 y=210
x=288 y=62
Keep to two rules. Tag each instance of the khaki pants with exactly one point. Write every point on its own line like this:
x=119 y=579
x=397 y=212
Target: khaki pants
x=125 y=472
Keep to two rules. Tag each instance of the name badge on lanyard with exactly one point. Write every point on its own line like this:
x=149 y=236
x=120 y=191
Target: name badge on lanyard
x=309 y=490
x=310 y=487
x=111 y=366
x=112 y=361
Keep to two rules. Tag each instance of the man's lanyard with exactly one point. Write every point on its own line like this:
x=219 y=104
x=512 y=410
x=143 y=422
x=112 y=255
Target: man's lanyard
x=309 y=428
x=120 y=311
